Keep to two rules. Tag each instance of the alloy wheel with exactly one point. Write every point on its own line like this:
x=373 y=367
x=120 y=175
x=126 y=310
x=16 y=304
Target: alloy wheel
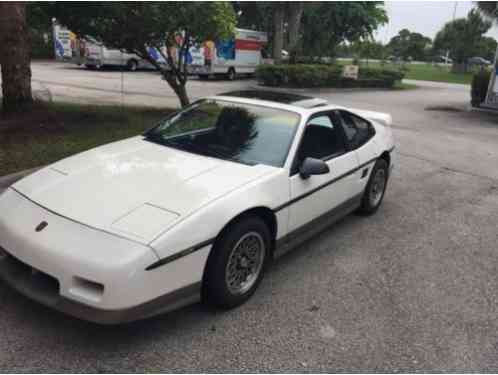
x=245 y=263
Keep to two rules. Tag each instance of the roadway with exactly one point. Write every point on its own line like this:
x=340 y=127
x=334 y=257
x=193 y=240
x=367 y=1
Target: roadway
x=413 y=288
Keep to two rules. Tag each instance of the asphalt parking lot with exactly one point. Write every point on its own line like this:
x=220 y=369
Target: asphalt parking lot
x=412 y=288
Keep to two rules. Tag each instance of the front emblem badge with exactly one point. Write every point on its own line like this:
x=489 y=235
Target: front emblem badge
x=41 y=226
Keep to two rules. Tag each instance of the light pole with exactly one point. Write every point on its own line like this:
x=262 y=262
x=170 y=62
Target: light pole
x=448 y=51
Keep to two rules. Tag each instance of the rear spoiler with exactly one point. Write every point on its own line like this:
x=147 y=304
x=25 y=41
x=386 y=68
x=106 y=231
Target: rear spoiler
x=378 y=117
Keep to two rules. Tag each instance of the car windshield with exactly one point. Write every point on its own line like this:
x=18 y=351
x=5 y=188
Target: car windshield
x=242 y=133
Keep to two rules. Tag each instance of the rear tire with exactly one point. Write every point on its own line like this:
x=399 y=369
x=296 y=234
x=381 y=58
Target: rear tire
x=375 y=189
x=132 y=65
x=237 y=263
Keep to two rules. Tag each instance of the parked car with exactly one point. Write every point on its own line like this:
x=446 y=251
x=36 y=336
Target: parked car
x=197 y=206
x=399 y=60
x=98 y=56
x=443 y=59
x=478 y=61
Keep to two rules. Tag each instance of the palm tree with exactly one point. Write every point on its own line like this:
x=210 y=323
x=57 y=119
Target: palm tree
x=490 y=10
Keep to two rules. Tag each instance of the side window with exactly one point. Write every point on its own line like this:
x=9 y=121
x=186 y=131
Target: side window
x=358 y=131
x=323 y=120
x=365 y=129
x=322 y=139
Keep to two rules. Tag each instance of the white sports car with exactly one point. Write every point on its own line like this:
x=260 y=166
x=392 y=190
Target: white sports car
x=194 y=208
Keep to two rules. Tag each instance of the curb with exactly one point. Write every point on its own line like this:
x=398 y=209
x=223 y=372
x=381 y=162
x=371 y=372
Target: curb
x=6 y=181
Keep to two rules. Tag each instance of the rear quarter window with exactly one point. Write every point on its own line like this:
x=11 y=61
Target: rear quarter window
x=358 y=130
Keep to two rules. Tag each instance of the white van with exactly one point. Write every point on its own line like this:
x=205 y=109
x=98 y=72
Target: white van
x=97 y=56
x=239 y=55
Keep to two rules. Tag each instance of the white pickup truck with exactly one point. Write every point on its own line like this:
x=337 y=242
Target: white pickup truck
x=97 y=56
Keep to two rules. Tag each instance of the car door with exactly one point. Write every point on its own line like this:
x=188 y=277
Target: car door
x=314 y=197
x=360 y=141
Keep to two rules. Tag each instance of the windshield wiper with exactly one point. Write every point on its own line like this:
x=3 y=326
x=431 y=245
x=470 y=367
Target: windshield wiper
x=158 y=138
x=210 y=152
x=189 y=146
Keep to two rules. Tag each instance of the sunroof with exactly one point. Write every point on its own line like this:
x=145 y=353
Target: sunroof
x=278 y=97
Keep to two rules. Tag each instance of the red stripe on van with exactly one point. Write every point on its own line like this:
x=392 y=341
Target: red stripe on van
x=251 y=45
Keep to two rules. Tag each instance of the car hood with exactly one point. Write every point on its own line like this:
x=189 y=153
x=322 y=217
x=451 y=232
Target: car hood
x=134 y=188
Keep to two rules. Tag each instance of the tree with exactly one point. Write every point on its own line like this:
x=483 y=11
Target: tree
x=15 y=57
x=253 y=15
x=295 y=13
x=462 y=37
x=40 y=28
x=278 y=30
x=488 y=8
x=408 y=45
x=487 y=48
x=280 y=19
x=488 y=45
x=170 y=28
x=327 y=24
x=368 y=49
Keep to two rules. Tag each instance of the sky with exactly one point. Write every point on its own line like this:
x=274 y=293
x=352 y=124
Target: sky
x=425 y=17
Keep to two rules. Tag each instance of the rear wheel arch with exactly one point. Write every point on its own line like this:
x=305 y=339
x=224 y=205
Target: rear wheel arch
x=387 y=157
x=132 y=64
x=375 y=188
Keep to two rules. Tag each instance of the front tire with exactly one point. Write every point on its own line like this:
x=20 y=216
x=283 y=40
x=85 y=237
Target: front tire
x=237 y=263
x=376 y=188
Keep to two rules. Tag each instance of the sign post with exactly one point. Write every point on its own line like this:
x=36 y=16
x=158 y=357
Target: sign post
x=350 y=71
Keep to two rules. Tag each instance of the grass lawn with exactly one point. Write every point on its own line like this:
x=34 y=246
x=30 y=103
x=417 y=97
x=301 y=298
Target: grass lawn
x=57 y=130
x=438 y=73
x=424 y=72
x=403 y=86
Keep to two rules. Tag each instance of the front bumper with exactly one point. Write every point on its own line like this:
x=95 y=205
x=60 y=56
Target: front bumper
x=44 y=289
x=86 y=272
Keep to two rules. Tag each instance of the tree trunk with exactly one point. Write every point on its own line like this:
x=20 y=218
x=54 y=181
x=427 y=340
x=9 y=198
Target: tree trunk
x=278 y=31
x=179 y=89
x=181 y=92
x=177 y=82
x=295 y=13
x=15 y=57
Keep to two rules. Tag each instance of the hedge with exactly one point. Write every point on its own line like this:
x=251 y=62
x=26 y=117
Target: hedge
x=479 y=87
x=320 y=75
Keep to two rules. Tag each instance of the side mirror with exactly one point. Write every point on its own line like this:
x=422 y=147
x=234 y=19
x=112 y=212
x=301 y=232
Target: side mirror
x=312 y=166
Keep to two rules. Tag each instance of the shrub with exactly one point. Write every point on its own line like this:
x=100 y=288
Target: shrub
x=321 y=75
x=298 y=75
x=383 y=77
x=479 y=88
x=313 y=60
